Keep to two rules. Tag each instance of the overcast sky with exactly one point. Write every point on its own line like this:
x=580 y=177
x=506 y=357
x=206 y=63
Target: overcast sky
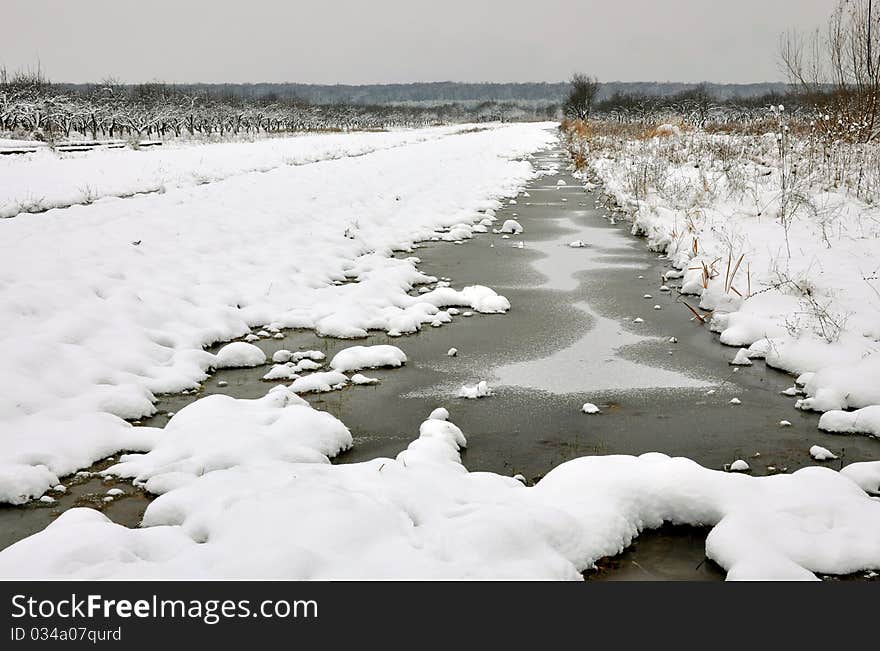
x=373 y=41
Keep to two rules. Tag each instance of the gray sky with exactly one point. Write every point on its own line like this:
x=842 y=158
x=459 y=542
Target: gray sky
x=351 y=41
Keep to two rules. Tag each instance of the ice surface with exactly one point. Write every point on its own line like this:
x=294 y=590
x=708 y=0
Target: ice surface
x=592 y=364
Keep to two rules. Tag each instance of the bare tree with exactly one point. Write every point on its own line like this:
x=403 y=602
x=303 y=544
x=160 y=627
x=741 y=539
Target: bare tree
x=581 y=97
x=840 y=70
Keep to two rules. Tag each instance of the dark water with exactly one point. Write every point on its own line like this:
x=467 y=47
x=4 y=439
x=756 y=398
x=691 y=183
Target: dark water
x=530 y=430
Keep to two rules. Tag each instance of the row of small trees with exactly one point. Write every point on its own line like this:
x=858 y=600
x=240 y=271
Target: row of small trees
x=32 y=107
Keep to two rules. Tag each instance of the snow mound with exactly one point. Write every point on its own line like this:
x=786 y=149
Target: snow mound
x=321 y=382
x=356 y=358
x=741 y=358
x=357 y=378
x=861 y=421
x=219 y=432
x=474 y=391
x=286 y=371
x=239 y=354
x=590 y=408
x=739 y=466
x=822 y=454
x=512 y=226
x=477 y=297
x=866 y=474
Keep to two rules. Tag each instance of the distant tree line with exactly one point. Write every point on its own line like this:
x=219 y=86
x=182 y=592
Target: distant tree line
x=447 y=92
x=33 y=107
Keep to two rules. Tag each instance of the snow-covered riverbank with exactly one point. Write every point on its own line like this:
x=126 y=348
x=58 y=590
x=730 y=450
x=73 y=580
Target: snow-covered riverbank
x=106 y=305
x=423 y=515
x=779 y=236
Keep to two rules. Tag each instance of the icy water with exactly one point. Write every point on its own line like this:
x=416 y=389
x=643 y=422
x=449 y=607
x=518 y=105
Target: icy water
x=571 y=337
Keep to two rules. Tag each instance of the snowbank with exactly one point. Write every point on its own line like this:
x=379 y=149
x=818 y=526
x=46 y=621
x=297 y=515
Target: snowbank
x=423 y=515
x=357 y=358
x=860 y=421
x=790 y=269
x=105 y=305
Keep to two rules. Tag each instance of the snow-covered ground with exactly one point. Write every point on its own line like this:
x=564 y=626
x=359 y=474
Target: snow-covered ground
x=269 y=487
x=779 y=236
x=45 y=179
x=107 y=304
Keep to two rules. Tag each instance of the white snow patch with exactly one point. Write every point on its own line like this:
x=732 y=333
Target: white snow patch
x=239 y=354
x=356 y=358
x=822 y=454
x=473 y=391
x=320 y=382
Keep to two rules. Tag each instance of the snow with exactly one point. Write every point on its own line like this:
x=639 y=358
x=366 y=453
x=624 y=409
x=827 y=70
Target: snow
x=423 y=515
x=218 y=432
x=358 y=378
x=590 y=408
x=95 y=326
x=356 y=358
x=511 y=226
x=286 y=371
x=741 y=358
x=319 y=382
x=473 y=391
x=58 y=180
x=452 y=352
x=239 y=354
x=866 y=474
x=861 y=421
x=814 y=310
x=739 y=466
x=822 y=454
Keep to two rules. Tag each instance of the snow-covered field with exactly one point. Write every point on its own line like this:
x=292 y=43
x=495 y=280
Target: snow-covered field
x=779 y=237
x=107 y=304
x=43 y=180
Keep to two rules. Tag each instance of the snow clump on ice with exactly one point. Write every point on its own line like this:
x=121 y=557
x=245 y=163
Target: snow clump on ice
x=822 y=454
x=239 y=354
x=356 y=358
x=474 y=391
x=511 y=226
